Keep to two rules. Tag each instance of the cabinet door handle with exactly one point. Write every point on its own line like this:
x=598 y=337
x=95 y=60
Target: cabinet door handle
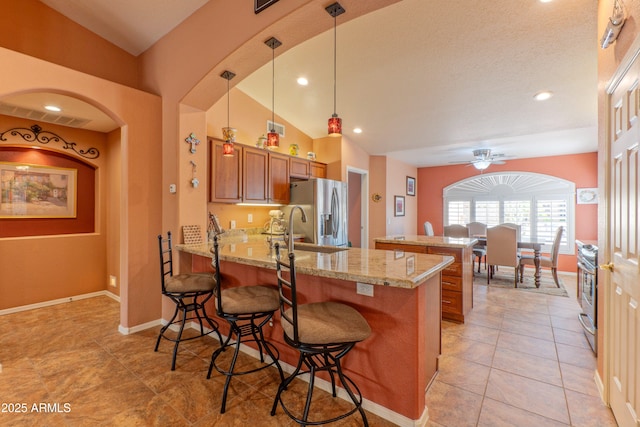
x=444 y=301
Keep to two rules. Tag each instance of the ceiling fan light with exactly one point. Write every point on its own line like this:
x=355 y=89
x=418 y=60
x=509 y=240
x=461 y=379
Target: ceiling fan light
x=482 y=165
x=335 y=125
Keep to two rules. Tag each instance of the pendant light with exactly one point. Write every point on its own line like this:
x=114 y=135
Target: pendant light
x=228 y=133
x=273 y=139
x=335 y=122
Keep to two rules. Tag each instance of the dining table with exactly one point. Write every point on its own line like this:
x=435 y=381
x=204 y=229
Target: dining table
x=523 y=244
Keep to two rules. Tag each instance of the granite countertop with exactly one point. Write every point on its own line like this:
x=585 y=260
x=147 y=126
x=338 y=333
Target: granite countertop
x=441 y=241
x=378 y=267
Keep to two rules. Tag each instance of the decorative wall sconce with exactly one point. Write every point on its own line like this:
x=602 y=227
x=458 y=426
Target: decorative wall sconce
x=193 y=141
x=616 y=21
x=194 y=180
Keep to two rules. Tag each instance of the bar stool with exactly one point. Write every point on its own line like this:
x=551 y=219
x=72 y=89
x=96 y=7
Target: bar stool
x=323 y=333
x=247 y=309
x=189 y=292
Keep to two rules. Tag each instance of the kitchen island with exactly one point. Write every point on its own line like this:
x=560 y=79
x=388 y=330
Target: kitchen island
x=457 y=278
x=401 y=302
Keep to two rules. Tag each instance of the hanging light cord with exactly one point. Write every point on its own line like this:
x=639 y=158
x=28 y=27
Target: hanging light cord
x=273 y=88
x=334 y=64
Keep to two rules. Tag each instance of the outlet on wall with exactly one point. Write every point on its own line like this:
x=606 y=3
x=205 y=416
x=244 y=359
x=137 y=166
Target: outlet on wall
x=364 y=289
x=250 y=218
x=112 y=281
x=232 y=225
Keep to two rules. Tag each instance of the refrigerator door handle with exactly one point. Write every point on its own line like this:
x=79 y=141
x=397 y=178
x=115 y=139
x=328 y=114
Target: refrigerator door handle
x=335 y=213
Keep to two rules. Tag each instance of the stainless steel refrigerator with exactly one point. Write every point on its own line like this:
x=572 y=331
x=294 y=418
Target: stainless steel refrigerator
x=324 y=201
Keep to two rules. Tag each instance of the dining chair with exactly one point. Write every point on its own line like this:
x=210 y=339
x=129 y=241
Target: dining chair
x=428 y=229
x=456 y=230
x=502 y=249
x=518 y=228
x=550 y=261
x=478 y=229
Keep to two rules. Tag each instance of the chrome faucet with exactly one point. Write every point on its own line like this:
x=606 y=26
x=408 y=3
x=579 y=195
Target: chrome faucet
x=304 y=219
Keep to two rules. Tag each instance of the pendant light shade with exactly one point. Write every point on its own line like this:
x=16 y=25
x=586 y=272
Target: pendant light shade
x=273 y=139
x=228 y=132
x=335 y=122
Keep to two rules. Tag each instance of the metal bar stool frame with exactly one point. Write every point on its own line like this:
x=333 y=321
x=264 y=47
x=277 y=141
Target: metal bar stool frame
x=185 y=302
x=251 y=327
x=314 y=357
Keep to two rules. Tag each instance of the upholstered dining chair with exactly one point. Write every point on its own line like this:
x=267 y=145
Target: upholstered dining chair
x=477 y=229
x=189 y=292
x=456 y=230
x=518 y=228
x=550 y=261
x=502 y=249
x=428 y=229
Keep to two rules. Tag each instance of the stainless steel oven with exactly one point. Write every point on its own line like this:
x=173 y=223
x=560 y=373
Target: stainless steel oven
x=588 y=289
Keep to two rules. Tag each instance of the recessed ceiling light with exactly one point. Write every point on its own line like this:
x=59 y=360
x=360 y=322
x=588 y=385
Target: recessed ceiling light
x=357 y=130
x=52 y=108
x=303 y=81
x=545 y=1
x=543 y=95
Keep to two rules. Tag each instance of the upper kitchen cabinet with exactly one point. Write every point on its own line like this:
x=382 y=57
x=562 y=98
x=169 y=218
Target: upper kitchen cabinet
x=255 y=163
x=318 y=170
x=225 y=174
x=305 y=169
x=279 y=178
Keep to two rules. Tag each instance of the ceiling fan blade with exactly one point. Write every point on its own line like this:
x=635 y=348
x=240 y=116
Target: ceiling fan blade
x=498 y=162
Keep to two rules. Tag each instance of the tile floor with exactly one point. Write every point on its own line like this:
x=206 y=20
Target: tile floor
x=520 y=360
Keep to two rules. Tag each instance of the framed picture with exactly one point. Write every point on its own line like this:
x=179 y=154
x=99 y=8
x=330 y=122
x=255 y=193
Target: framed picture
x=34 y=191
x=587 y=196
x=411 y=186
x=260 y=5
x=398 y=203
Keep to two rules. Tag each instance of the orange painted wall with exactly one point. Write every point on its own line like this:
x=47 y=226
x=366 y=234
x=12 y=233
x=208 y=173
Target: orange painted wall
x=31 y=27
x=579 y=168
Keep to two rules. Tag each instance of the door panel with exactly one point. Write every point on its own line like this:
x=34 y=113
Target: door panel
x=623 y=292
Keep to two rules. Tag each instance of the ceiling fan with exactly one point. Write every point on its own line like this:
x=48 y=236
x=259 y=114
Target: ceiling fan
x=483 y=159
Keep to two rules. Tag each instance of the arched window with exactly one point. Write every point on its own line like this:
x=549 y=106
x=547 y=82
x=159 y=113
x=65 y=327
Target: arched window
x=539 y=203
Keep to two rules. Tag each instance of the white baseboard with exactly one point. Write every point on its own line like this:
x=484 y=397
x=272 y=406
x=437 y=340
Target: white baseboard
x=57 y=301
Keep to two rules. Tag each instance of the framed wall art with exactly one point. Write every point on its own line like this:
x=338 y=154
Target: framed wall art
x=411 y=186
x=398 y=203
x=34 y=191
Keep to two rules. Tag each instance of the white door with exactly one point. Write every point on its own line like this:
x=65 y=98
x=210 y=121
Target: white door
x=622 y=322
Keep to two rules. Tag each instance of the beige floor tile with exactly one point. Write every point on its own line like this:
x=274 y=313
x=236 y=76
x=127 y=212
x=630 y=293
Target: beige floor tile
x=579 y=379
x=464 y=374
x=531 y=395
x=529 y=345
x=498 y=414
x=588 y=411
x=453 y=406
x=578 y=356
x=474 y=351
x=526 y=365
x=527 y=328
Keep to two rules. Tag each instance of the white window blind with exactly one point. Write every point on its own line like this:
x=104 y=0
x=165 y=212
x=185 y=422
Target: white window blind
x=459 y=212
x=488 y=212
x=519 y=212
x=551 y=214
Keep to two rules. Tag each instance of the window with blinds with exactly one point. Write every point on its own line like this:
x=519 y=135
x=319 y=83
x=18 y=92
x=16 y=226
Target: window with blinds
x=538 y=203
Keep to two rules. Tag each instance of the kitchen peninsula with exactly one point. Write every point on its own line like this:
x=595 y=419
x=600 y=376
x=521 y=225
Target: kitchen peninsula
x=457 y=278
x=400 y=296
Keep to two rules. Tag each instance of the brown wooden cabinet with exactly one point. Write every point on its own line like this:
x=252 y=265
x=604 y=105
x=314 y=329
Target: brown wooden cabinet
x=278 y=190
x=254 y=175
x=457 y=278
x=225 y=174
x=299 y=168
x=255 y=164
x=318 y=170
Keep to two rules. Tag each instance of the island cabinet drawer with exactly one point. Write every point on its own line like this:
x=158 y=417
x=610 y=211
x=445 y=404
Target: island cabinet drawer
x=455 y=253
x=451 y=283
x=451 y=302
x=454 y=269
x=400 y=247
